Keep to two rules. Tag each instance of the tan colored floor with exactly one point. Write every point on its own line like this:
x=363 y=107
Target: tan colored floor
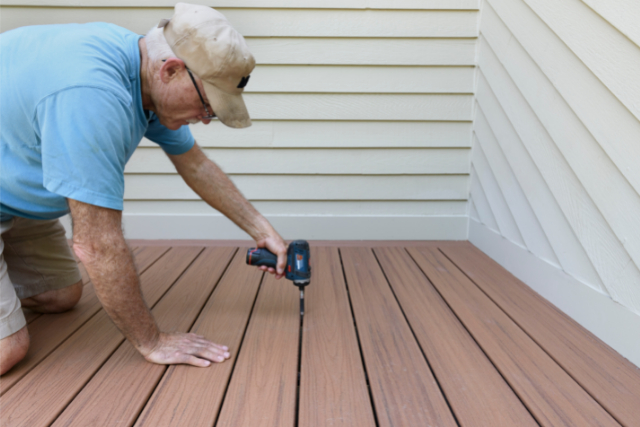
x=394 y=334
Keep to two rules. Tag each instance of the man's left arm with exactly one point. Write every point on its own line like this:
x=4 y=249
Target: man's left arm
x=214 y=187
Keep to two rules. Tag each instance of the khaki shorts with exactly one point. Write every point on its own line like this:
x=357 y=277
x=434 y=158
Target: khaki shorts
x=34 y=258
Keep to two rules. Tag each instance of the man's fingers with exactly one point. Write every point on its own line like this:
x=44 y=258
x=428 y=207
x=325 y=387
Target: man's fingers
x=214 y=356
x=191 y=349
x=196 y=361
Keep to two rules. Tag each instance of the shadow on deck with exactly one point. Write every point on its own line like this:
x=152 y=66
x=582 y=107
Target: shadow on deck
x=414 y=334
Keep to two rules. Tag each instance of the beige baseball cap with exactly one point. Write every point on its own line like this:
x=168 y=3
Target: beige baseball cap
x=214 y=51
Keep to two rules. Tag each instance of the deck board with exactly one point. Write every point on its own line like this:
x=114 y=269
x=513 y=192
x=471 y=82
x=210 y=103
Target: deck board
x=403 y=388
x=476 y=391
x=48 y=331
x=118 y=391
x=395 y=333
x=177 y=400
x=549 y=393
x=610 y=379
x=333 y=388
x=262 y=391
x=55 y=381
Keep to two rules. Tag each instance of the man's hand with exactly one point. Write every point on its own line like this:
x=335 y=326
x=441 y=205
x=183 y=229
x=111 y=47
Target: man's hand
x=276 y=245
x=188 y=349
x=99 y=244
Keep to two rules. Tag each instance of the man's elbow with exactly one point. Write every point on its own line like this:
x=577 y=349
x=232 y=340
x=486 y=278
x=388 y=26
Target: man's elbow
x=98 y=247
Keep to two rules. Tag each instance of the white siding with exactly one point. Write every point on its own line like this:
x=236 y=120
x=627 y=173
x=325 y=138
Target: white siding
x=557 y=118
x=366 y=111
x=362 y=111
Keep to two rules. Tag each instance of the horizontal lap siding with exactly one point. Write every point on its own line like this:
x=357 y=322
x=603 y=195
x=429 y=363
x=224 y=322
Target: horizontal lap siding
x=557 y=127
x=360 y=109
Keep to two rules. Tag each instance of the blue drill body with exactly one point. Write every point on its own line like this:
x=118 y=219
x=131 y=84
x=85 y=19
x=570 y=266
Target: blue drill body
x=298 y=268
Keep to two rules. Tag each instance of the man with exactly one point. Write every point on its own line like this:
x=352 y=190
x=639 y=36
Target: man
x=76 y=100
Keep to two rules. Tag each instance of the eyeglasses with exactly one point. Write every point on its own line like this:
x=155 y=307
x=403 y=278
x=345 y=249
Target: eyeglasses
x=209 y=116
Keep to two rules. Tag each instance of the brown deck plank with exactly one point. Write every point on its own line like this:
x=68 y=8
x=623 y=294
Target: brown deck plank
x=333 y=388
x=49 y=330
x=53 y=383
x=119 y=390
x=178 y=398
x=608 y=377
x=476 y=391
x=549 y=393
x=403 y=388
x=262 y=390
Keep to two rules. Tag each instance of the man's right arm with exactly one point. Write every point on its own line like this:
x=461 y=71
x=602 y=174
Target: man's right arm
x=100 y=245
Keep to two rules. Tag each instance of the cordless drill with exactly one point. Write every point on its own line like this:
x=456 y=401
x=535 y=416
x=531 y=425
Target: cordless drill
x=297 y=269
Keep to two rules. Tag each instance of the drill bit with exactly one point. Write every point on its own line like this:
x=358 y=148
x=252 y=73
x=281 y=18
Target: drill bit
x=301 y=301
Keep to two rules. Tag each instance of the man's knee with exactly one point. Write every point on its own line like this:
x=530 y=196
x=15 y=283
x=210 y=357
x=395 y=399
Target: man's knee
x=13 y=349
x=68 y=297
x=55 y=301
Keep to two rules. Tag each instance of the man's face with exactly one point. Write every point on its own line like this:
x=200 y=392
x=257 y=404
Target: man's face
x=177 y=102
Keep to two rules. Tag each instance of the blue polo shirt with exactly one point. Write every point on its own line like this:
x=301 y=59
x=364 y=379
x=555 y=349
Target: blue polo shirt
x=70 y=117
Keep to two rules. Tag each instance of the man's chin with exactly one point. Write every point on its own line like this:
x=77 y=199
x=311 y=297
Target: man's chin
x=171 y=125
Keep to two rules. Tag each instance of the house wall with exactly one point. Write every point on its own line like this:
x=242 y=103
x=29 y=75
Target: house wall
x=361 y=119
x=555 y=182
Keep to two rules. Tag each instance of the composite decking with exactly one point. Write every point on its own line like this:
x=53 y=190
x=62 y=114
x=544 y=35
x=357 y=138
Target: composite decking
x=404 y=334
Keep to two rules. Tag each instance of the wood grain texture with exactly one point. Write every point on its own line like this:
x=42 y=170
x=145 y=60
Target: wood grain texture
x=304 y=207
x=589 y=216
x=604 y=50
x=319 y=187
x=315 y=161
x=529 y=226
x=361 y=51
x=118 y=391
x=478 y=395
x=608 y=377
x=278 y=4
x=269 y=22
x=590 y=112
x=479 y=197
x=611 y=322
x=600 y=157
x=48 y=331
x=333 y=390
x=262 y=391
x=504 y=217
x=332 y=134
x=314 y=227
x=177 y=398
x=53 y=383
x=412 y=107
x=550 y=394
x=622 y=14
x=361 y=79
x=403 y=388
x=571 y=254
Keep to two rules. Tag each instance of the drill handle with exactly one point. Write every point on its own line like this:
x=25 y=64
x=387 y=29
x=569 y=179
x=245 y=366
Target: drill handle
x=261 y=256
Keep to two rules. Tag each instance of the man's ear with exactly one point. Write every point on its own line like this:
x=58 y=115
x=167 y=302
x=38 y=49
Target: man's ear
x=171 y=68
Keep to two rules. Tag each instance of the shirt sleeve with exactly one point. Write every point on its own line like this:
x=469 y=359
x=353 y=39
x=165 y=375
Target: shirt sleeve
x=83 y=135
x=171 y=141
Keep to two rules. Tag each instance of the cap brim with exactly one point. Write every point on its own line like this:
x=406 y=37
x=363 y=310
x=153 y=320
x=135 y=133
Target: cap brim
x=229 y=108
